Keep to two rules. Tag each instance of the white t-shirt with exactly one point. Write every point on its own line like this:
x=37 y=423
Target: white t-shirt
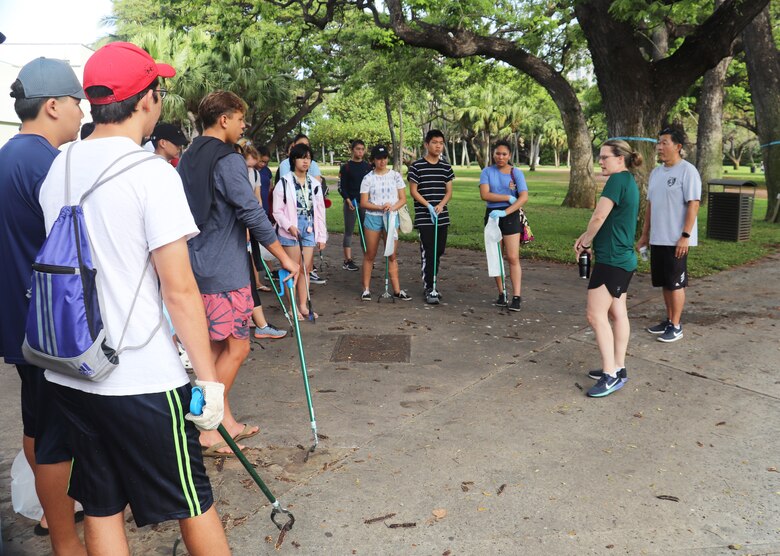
x=382 y=190
x=669 y=189
x=127 y=218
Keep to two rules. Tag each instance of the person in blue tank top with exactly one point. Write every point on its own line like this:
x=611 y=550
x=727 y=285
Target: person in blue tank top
x=504 y=189
x=610 y=233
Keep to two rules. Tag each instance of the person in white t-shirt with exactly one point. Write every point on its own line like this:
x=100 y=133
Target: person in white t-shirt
x=670 y=228
x=132 y=443
x=382 y=192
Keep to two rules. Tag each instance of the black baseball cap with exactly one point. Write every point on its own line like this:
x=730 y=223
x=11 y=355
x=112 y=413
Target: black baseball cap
x=379 y=151
x=169 y=132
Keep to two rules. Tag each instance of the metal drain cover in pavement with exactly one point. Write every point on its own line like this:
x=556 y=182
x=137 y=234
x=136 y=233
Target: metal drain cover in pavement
x=386 y=348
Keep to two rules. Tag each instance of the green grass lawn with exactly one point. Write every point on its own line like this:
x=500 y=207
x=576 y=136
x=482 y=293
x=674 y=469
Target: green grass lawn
x=556 y=228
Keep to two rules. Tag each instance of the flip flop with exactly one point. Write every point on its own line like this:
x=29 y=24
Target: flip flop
x=303 y=317
x=246 y=433
x=263 y=288
x=41 y=531
x=213 y=451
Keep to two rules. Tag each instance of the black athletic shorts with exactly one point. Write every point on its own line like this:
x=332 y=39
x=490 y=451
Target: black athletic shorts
x=137 y=450
x=615 y=278
x=41 y=417
x=667 y=271
x=509 y=224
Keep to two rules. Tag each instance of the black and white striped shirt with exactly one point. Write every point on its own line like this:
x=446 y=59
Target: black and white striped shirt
x=431 y=180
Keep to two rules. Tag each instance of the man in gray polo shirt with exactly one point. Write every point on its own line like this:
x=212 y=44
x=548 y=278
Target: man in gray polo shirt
x=670 y=228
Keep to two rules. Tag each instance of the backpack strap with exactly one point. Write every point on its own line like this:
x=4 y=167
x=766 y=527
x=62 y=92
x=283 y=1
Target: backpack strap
x=98 y=182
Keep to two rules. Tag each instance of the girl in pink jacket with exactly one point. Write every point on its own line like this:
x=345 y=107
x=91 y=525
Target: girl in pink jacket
x=299 y=211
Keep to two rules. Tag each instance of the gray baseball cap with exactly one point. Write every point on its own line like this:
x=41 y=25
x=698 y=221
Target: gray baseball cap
x=48 y=77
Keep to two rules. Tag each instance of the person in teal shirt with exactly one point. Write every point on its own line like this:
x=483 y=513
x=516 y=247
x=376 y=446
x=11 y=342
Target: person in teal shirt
x=610 y=234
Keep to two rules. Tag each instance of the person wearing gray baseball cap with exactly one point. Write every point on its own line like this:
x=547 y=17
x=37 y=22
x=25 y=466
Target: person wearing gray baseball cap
x=46 y=99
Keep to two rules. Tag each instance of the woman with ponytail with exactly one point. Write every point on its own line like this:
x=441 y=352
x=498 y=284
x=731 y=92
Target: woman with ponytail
x=610 y=234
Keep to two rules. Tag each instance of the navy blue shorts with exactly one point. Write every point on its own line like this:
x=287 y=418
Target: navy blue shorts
x=41 y=417
x=137 y=450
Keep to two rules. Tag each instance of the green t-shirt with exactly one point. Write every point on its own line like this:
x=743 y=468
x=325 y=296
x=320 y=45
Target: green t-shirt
x=614 y=243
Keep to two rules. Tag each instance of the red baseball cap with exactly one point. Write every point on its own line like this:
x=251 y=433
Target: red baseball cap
x=125 y=69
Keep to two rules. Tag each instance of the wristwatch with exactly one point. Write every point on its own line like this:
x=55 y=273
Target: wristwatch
x=686 y=234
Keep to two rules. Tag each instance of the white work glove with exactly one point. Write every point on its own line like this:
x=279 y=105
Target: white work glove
x=213 y=408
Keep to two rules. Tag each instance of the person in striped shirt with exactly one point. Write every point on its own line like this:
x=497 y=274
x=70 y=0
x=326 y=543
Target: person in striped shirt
x=430 y=184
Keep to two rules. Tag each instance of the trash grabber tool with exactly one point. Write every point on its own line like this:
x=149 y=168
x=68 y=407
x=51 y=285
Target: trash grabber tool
x=387 y=294
x=283 y=274
x=360 y=224
x=435 y=219
x=276 y=291
x=503 y=275
x=305 y=283
x=196 y=408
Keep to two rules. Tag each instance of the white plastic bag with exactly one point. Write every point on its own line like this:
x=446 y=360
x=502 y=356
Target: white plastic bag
x=392 y=236
x=23 y=495
x=492 y=239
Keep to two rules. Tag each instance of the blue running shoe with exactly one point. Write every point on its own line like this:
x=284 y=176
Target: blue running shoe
x=605 y=386
x=671 y=334
x=598 y=373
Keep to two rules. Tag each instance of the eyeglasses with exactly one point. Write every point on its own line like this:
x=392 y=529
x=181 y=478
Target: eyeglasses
x=162 y=92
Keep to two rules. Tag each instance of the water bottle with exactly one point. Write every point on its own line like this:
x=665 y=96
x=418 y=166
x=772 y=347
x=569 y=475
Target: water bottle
x=643 y=253
x=584 y=263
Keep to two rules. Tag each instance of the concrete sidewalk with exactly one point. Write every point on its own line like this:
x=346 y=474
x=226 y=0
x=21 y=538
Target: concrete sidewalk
x=481 y=435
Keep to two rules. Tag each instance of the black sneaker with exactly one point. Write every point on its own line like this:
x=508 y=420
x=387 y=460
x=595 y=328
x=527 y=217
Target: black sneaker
x=315 y=278
x=514 y=305
x=366 y=296
x=500 y=302
x=659 y=328
x=431 y=298
x=402 y=295
x=598 y=373
x=349 y=264
x=605 y=386
x=671 y=334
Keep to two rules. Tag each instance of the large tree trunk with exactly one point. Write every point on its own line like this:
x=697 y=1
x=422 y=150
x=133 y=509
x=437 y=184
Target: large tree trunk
x=393 y=140
x=709 y=136
x=763 y=64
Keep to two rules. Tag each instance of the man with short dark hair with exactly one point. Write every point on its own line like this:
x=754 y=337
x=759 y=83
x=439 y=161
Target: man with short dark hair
x=135 y=443
x=224 y=206
x=168 y=141
x=430 y=183
x=46 y=96
x=670 y=228
x=351 y=175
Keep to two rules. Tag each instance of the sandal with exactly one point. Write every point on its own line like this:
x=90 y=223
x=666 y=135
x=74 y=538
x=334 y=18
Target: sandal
x=213 y=451
x=247 y=432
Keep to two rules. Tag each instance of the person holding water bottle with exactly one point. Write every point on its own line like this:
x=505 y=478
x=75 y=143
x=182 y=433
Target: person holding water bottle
x=610 y=234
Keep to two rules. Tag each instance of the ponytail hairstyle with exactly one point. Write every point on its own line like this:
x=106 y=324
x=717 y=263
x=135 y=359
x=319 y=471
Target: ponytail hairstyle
x=621 y=148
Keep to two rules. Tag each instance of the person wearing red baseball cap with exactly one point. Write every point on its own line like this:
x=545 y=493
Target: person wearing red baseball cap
x=134 y=441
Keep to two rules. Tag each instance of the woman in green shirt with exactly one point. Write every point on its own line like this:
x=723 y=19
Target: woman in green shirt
x=610 y=234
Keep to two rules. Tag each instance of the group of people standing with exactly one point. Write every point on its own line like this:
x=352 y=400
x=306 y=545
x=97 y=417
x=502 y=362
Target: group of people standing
x=129 y=440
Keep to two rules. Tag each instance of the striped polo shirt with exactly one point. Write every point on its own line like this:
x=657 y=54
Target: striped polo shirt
x=431 y=180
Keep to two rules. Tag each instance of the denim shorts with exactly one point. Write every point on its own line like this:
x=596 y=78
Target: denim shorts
x=376 y=222
x=307 y=238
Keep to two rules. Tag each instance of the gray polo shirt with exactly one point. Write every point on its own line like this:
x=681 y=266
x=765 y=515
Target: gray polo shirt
x=669 y=190
x=218 y=254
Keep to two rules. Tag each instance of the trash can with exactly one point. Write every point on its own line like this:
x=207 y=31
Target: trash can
x=730 y=211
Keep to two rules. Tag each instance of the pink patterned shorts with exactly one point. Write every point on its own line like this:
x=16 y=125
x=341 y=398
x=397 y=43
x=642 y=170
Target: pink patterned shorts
x=228 y=313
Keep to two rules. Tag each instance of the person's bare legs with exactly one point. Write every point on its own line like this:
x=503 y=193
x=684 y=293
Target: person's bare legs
x=105 y=536
x=674 y=301
x=51 y=484
x=204 y=535
x=308 y=259
x=372 y=244
x=258 y=317
x=229 y=354
x=392 y=270
x=512 y=253
x=599 y=303
x=621 y=329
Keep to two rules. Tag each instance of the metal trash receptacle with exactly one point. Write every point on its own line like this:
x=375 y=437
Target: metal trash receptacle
x=730 y=213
